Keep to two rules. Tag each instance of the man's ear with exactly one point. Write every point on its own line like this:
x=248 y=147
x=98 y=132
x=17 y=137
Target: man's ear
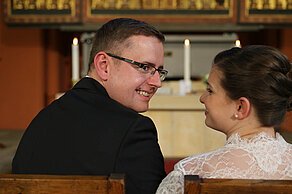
x=101 y=65
x=243 y=107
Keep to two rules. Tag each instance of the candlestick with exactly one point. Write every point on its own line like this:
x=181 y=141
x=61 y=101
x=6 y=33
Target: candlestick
x=187 y=84
x=187 y=61
x=75 y=61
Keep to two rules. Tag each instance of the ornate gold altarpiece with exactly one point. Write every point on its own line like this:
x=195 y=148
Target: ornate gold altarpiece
x=41 y=11
x=91 y=11
x=266 y=11
x=162 y=11
x=156 y=11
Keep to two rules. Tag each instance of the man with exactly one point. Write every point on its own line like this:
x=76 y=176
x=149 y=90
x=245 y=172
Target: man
x=95 y=128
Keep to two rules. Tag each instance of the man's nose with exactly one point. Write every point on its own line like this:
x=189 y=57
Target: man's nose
x=155 y=80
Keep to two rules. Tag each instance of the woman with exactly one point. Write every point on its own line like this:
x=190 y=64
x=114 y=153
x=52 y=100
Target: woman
x=248 y=93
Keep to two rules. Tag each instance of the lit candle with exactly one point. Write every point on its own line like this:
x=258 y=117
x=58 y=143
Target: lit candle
x=75 y=60
x=187 y=61
x=237 y=44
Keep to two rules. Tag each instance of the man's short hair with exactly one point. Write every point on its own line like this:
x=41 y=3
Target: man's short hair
x=111 y=36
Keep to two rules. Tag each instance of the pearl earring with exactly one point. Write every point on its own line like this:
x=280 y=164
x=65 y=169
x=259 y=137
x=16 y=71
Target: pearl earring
x=236 y=115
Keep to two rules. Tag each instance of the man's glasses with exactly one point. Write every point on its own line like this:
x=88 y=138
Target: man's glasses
x=146 y=68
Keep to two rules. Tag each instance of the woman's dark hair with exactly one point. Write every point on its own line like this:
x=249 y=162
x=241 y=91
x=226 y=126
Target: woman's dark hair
x=263 y=75
x=112 y=35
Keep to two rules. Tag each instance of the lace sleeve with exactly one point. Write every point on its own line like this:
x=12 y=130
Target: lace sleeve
x=172 y=183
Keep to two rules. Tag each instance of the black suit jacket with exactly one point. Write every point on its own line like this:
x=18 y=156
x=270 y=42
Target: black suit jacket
x=86 y=132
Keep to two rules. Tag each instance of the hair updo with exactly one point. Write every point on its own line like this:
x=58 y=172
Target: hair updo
x=263 y=75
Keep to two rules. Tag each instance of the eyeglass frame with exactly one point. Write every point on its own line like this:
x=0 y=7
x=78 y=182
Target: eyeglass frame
x=141 y=65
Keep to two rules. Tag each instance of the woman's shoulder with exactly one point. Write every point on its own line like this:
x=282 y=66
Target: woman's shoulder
x=199 y=163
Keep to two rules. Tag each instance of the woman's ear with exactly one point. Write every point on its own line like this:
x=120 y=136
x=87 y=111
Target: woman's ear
x=101 y=65
x=243 y=108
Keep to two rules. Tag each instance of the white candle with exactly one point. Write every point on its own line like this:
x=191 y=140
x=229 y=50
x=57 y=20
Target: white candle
x=187 y=61
x=75 y=60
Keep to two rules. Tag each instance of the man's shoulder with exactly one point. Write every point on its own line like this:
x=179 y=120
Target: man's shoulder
x=129 y=114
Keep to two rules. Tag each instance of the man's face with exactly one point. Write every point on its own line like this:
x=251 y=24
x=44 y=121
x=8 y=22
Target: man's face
x=126 y=83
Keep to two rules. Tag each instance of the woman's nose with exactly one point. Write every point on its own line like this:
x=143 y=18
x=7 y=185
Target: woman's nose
x=202 y=98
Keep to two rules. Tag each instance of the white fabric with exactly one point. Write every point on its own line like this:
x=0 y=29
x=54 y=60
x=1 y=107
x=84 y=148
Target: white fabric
x=260 y=157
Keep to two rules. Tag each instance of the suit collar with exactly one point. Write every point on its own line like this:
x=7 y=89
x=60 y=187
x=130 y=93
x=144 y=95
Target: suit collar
x=91 y=84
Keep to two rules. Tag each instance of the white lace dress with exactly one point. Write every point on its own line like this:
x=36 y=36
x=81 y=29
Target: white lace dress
x=261 y=157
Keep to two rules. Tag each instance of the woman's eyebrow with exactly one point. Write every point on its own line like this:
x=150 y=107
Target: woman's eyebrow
x=209 y=85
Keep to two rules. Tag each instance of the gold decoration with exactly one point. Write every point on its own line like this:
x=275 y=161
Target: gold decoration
x=289 y=4
x=40 y=4
x=282 y=4
x=183 y=4
x=29 y=4
x=150 y=4
x=198 y=4
x=269 y=4
x=272 y=4
x=159 y=4
x=226 y=4
x=122 y=4
x=134 y=4
x=266 y=4
x=42 y=11
x=51 y=4
x=168 y=4
x=97 y=4
x=64 y=4
x=260 y=4
x=109 y=4
x=252 y=4
x=18 y=4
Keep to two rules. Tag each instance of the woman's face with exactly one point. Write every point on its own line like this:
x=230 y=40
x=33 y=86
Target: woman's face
x=220 y=108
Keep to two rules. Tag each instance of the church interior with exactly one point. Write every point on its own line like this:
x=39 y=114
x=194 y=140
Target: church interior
x=38 y=61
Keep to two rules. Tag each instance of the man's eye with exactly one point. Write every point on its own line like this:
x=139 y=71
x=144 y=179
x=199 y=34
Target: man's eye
x=146 y=67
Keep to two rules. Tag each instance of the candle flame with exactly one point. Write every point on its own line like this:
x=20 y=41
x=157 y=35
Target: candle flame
x=75 y=41
x=237 y=43
x=187 y=42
